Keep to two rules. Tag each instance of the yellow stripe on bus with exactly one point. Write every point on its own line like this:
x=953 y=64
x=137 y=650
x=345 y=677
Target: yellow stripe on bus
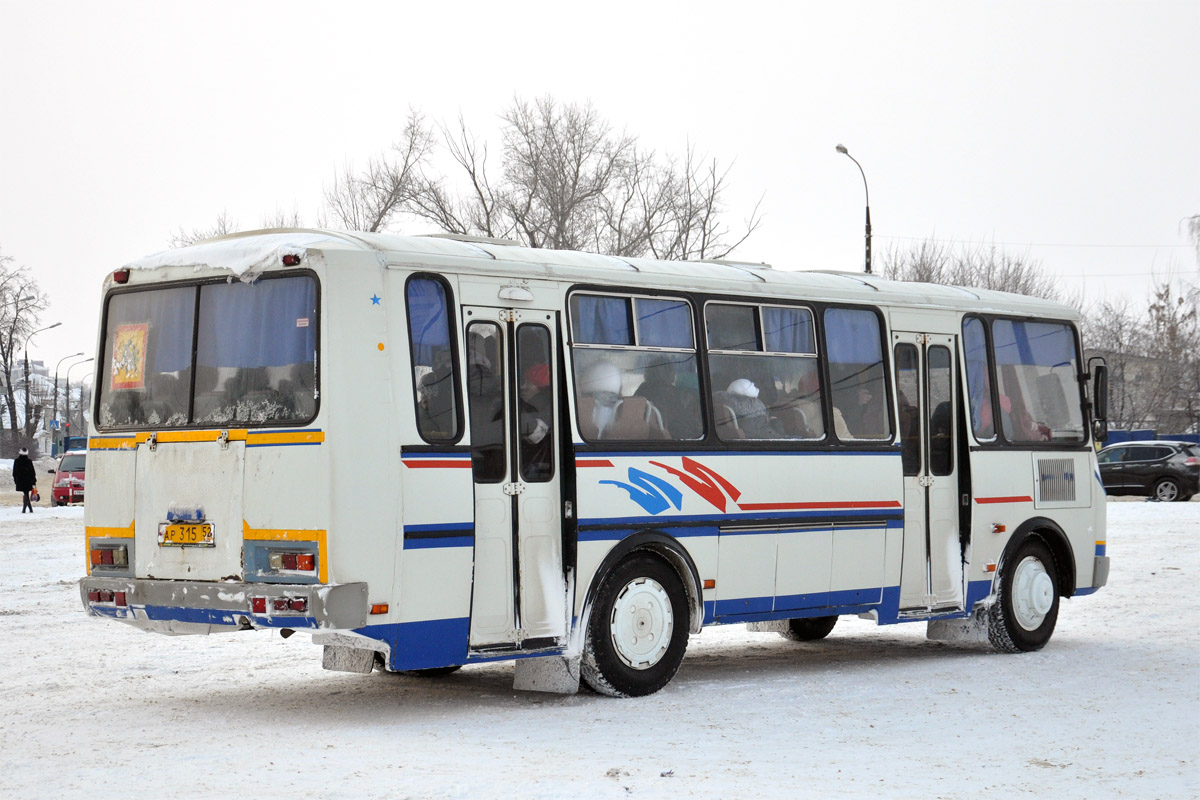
x=235 y=435
x=287 y=535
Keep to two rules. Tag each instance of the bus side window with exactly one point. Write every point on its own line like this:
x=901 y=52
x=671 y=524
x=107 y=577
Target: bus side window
x=856 y=374
x=433 y=360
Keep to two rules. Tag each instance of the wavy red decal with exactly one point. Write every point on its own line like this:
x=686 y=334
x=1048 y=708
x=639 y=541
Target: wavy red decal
x=704 y=482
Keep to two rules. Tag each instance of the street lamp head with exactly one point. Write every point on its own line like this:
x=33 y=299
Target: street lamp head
x=841 y=148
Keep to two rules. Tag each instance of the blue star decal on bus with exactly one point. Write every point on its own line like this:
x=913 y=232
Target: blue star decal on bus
x=375 y=299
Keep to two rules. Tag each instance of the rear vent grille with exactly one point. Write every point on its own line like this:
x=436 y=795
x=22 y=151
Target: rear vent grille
x=1056 y=479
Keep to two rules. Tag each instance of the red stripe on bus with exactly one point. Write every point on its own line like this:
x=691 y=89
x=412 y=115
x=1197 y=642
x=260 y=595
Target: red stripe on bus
x=431 y=463
x=1004 y=499
x=799 y=506
x=599 y=462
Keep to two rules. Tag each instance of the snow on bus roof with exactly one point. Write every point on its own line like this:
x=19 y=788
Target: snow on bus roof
x=248 y=254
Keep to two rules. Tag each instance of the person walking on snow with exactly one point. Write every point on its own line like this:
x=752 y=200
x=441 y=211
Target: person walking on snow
x=25 y=478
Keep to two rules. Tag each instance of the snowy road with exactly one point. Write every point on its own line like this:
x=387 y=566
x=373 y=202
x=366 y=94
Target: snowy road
x=1111 y=708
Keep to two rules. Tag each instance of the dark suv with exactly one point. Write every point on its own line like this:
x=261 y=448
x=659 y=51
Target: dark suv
x=1163 y=470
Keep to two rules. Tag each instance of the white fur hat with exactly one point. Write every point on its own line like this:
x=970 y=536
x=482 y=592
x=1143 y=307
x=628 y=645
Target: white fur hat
x=23 y=451
x=744 y=387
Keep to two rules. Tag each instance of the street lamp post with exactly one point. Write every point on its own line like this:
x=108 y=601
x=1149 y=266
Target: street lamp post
x=73 y=366
x=56 y=366
x=841 y=148
x=26 y=351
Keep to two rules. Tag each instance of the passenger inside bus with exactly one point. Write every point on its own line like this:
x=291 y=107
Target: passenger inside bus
x=679 y=407
x=535 y=424
x=741 y=415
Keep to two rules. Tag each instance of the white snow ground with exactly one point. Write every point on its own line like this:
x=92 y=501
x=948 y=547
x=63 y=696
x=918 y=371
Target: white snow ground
x=1111 y=707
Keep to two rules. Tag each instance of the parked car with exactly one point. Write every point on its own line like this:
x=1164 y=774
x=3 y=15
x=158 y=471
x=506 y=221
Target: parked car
x=68 y=478
x=1164 y=470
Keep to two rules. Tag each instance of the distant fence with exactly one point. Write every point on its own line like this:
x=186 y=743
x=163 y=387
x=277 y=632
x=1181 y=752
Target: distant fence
x=1116 y=437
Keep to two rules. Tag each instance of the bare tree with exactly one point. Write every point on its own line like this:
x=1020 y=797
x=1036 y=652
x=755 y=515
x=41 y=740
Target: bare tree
x=568 y=181
x=982 y=266
x=370 y=200
x=222 y=226
x=1193 y=226
x=21 y=303
x=281 y=219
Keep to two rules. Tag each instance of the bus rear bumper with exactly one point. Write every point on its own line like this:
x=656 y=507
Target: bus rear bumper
x=200 y=607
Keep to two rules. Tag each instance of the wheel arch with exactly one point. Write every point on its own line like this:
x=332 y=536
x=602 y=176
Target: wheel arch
x=665 y=547
x=1056 y=539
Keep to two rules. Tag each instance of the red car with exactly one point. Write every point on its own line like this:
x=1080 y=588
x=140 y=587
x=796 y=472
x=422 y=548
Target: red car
x=68 y=478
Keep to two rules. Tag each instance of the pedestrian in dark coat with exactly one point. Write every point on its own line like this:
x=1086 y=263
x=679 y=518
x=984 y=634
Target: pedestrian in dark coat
x=25 y=478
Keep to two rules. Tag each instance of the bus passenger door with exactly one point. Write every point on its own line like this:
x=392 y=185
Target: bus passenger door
x=932 y=570
x=519 y=594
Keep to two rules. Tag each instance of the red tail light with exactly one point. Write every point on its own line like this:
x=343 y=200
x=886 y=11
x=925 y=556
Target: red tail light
x=1192 y=461
x=258 y=605
x=121 y=276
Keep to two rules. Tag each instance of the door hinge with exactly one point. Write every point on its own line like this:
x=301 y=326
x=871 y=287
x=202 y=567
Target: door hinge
x=922 y=338
x=513 y=489
x=152 y=441
x=223 y=440
x=510 y=315
x=925 y=480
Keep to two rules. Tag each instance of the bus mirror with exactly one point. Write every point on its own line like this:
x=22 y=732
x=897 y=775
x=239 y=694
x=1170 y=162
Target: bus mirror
x=1100 y=430
x=1100 y=392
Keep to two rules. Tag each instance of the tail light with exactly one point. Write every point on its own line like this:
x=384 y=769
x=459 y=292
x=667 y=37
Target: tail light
x=1192 y=461
x=107 y=596
x=110 y=556
x=292 y=561
x=285 y=604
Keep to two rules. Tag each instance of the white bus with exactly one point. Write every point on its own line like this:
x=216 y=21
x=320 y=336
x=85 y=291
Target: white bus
x=437 y=451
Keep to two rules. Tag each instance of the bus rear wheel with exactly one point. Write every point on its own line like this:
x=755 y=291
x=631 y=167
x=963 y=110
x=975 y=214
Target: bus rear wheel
x=638 y=629
x=1026 y=608
x=809 y=629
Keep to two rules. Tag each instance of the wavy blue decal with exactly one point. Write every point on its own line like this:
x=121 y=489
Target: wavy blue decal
x=650 y=492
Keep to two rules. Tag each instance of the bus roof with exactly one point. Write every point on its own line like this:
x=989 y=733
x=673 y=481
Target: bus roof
x=249 y=254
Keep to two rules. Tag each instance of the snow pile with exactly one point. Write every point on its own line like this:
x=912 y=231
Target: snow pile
x=1110 y=708
x=245 y=256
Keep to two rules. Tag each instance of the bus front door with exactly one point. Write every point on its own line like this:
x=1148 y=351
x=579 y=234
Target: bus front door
x=931 y=576
x=518 y=597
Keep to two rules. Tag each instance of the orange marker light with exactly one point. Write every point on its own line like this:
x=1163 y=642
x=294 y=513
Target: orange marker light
x=379 y=608
x=710 y=584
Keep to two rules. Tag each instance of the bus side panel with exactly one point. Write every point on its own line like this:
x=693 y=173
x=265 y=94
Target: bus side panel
x=358 y=407
x=1006 y=491
x=796 y=530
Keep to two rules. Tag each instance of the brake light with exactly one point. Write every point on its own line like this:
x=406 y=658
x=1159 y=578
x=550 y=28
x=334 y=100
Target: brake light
x=110 y=556
x=291 y=260
x=285 y=604
x=121 y=276
x=292 y=561
x=1192 y=461
x=258 y=605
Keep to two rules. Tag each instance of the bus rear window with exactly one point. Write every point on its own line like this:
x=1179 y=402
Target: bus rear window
x=249 y=357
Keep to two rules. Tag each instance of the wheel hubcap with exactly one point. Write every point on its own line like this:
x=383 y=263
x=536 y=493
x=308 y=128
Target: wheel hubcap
x=1167 y=491
x=1032 y=593
x=642 y=622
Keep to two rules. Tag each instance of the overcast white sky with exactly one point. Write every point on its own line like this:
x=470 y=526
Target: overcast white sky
x=1068 y=132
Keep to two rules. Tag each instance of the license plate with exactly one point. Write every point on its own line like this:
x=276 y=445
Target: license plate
x=186 y=534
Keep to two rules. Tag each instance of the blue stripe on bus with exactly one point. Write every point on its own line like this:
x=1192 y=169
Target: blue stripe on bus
x=709 y=453
x=441 y=541
x=424 y=644
x=859 y=514
x=213 y=616
x=615 y=534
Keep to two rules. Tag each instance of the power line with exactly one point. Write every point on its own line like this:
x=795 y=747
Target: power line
x=1026 y=244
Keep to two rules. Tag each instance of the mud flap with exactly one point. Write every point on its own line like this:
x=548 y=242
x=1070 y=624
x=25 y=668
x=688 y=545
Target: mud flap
x=556 y=674
x=348 y=659
x=969 y=630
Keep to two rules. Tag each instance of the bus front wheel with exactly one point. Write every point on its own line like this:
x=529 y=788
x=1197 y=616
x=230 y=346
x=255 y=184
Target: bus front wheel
x=638 y=629
x=1022 y=618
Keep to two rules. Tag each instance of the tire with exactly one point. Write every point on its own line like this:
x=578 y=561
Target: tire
x=431 y=672
x=1026 y=608
x=1167 y=491
x=638 y=629
x=809 y=629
